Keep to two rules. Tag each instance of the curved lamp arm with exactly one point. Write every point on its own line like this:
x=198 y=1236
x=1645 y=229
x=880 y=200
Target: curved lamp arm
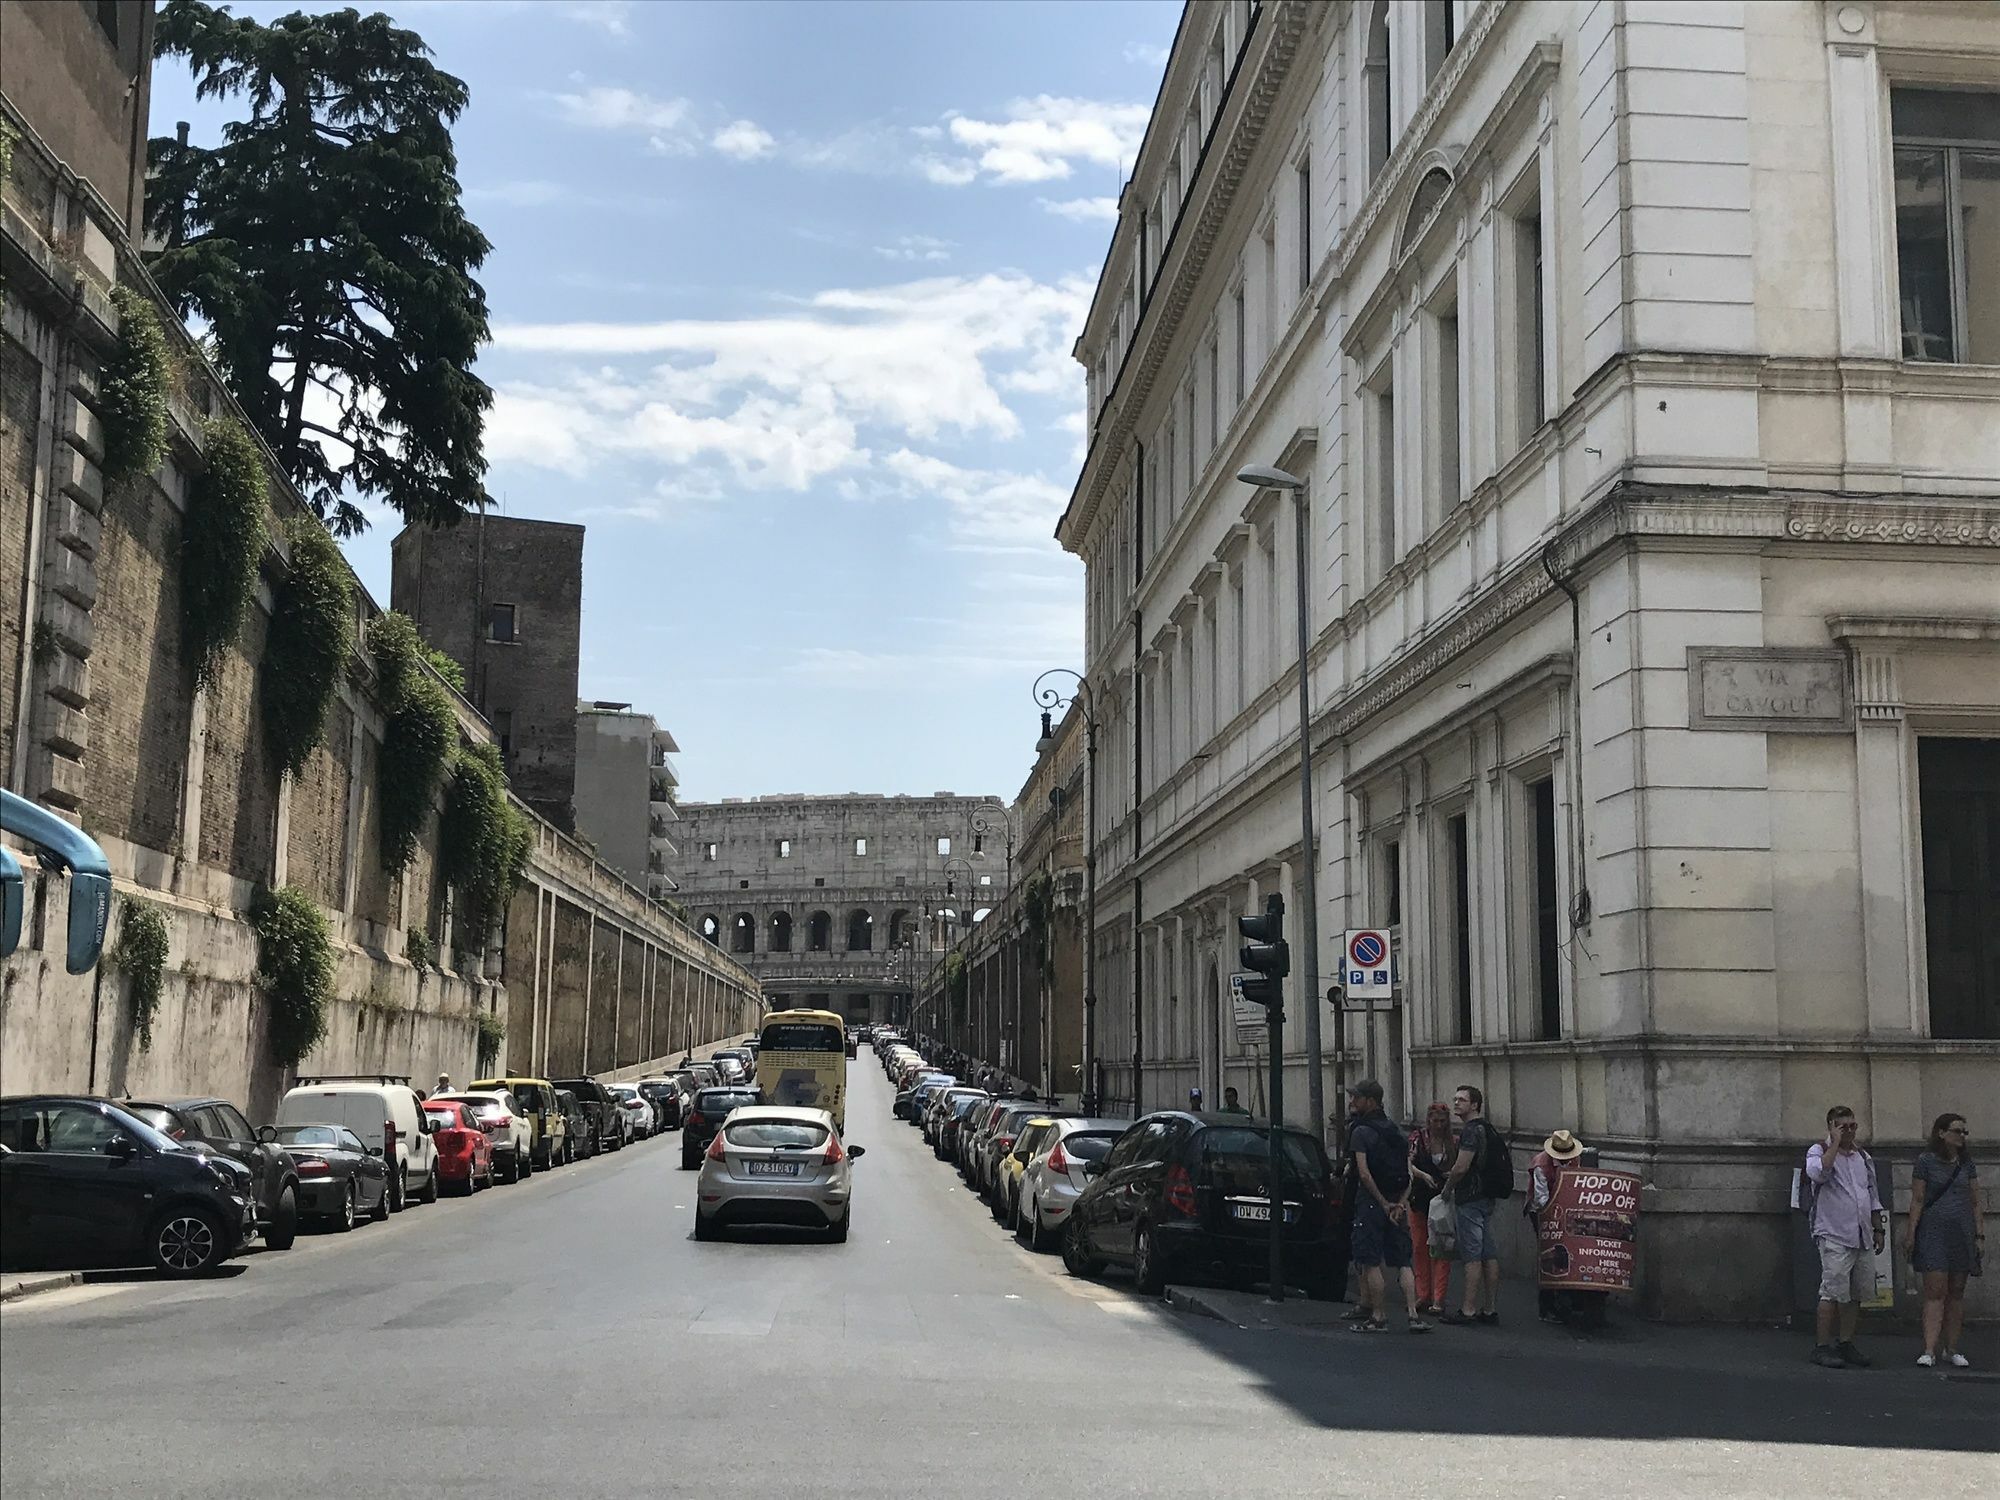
x=59 y=846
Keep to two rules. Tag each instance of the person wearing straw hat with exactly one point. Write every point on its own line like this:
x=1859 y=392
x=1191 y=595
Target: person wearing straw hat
x=1556 y=1304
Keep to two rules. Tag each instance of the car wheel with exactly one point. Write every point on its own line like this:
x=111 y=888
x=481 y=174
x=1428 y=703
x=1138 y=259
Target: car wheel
x=431 y=1184
x=703 y=1230
x=687 y=1162
x=381 y=1210
x=1040 y=1238
x=350 y=1208
x=513 y=1168
x=526 y=1159
x=1077 y=1259
x=1146 y=1268
x=185 y=1242
x=284 y=1225
x=838 y=1234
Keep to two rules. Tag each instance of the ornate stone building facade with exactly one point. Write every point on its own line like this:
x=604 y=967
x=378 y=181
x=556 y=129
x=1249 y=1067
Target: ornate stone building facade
x=841 y=902
x=1639 y=364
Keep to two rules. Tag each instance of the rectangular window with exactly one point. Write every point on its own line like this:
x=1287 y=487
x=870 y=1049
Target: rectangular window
x=500 y=623
x=1383 y=444
x=1958 y=799
x=708 y=853
x=1548 y=915
x=861 y=846
x=784 y=848
x=1242 y=346
x=1392 y=883
x=1947 y=241
x=1444 y=403
x=944 y=844
x=1461 y=918
x=1305 y=176
x=1530 y=408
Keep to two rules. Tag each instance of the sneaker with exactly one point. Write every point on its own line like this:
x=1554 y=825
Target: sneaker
x=1926 y=1359
x=1457 y=1320
x=1828 y=1357
x=1490 y=1319
x=1854 y=1356
x=1957 y=1361
x=1418 y=1325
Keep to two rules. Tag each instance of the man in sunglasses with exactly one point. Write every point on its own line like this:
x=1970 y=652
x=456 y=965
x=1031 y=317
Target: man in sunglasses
x=1849 y=1229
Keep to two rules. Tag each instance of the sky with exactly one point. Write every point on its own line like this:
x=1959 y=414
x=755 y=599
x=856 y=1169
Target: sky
x=783 y=298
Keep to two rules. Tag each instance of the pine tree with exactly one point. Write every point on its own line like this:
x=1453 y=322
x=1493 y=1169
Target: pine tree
x=324 y=244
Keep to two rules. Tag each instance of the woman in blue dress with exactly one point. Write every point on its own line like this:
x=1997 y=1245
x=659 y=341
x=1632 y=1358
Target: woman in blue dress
x=1946 y=1236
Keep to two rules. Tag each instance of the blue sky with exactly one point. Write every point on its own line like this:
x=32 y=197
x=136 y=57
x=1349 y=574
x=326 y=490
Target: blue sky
x=783 y=300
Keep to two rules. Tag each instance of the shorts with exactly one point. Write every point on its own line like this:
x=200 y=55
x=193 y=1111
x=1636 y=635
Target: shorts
x=1475 y=1232
x=1846 y=1272
x=1377 y=1239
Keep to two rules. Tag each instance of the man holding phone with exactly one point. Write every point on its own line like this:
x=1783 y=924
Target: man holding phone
x=1847 y=1220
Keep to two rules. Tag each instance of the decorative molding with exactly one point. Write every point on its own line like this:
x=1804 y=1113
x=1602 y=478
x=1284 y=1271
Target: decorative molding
x=1914 y=627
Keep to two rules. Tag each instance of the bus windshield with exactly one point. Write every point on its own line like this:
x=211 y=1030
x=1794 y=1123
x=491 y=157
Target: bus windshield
x=802 y=1036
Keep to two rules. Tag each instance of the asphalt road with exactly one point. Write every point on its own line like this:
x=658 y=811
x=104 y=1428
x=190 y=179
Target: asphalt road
x=566 y=1337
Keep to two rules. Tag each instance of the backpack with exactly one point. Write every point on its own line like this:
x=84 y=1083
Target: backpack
x=1495 y=1166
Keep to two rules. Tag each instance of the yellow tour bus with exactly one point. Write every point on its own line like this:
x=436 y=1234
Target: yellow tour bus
x=802 y=1061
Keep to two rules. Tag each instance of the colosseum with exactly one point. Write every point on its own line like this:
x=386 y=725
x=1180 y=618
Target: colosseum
x=842 y=902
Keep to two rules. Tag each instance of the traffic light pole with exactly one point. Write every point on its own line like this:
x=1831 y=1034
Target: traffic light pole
x=1277 y=1019
x=1269 y=960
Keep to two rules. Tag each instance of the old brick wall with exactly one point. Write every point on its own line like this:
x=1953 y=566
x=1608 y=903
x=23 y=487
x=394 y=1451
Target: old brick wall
x=602 y=1049
x=237 y=826
x=570 y=984
x=316 y=854
x=631 y=1000
x=20 y=395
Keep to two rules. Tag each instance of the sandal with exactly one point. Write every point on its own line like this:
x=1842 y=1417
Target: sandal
x=1373 y=1325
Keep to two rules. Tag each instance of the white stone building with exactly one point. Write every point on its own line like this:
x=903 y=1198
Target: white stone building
x=1643 y=364
x=626 y=791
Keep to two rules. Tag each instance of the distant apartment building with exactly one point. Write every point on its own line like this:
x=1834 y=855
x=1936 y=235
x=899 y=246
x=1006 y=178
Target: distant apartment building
x=1638 y=362
x=626 y=784
x=503 y=597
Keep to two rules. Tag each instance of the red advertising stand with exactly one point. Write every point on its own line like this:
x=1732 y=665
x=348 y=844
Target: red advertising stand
x=1590 y=1231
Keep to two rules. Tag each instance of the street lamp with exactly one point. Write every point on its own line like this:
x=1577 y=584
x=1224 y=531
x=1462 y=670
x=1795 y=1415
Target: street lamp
x=960 y=921
x=1052 y=698
x=1264 y=476
x=984 y=819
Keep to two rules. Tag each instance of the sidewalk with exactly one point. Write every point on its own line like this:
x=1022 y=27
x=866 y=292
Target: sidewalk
x=18 y=1284
x=1627 y=1339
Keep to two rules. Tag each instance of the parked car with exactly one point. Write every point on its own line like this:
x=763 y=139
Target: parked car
x=711 y=1107
x=339 y=1178
x=911 y=1101
x=1183 y=1195
x=946 y=1135
x=500 y=1112
x=1007 y=1169
x=536 y=1099
x=942 y=1103
x=464 y=1144
x=1005 y=1135
x=217 y=1125
x=577 y=1139
x=84 y=1182
x=776 y=1164
x=665 y=1097
x=1053 y=1176
x=388 y=1116
x=746 y=1056
x=975 y=1154
x=638 y=1110
x=729 y=1069
x=604 y=1117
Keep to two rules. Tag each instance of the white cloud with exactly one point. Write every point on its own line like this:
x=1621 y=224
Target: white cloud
x=745 y=140
x=1082 y=210
x=991 y=510
x=600 y=107
x=924 y=247
x=947 y=171
x=1146 y=54
x=613 y=16
x=1043 y=138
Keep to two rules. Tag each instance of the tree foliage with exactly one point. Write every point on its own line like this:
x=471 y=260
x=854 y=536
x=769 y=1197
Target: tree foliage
x=312 y=630
x=325 y=245
x=482 y=845
x=418 y=735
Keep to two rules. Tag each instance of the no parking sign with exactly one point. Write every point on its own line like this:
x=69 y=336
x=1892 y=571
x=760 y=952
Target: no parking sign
x=1366 y=969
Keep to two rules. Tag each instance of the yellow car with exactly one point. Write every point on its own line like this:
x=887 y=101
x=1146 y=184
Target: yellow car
x=549 y=1132
x=1033 y=1136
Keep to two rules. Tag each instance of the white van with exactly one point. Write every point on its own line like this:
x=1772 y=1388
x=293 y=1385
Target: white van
x=372 y=1108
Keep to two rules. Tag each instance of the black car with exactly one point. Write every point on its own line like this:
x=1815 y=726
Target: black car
x=83 y=1182
x=706 y=1112
x=666 y=1101
x=339 y=1177
x=604 y=1116
x=217 y=1125
x=1185 y=1196
x=577 y=1139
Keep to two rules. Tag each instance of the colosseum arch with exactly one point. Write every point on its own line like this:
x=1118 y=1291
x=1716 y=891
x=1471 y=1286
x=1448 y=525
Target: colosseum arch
x=860 y=930
x=819 y=933
x=743 y=933
x=899 y=926
x=781 y=932
x=711 y=930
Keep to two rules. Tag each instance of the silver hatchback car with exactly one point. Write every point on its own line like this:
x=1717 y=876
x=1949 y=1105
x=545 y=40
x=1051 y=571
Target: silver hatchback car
x=775 y=1164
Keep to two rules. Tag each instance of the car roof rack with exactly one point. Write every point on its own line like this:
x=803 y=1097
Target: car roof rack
x=307 y=1078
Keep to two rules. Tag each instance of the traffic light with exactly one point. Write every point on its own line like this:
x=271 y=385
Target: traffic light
x=1265 y=952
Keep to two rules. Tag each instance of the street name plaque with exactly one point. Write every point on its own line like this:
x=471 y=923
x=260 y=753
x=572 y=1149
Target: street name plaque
x=1775 y=689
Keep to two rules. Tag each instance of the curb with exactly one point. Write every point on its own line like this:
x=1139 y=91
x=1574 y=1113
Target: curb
x=15 y=1288
x=1190 y=1301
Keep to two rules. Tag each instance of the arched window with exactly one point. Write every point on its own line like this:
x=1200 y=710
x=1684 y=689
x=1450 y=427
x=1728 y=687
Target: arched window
x=819 y=933
x=743 y=933
x=711 y=930
x=1375 y=81
x=860 y=932
x=899 y=926
x=981 y=914
x=781 y=932
x=1431 y=188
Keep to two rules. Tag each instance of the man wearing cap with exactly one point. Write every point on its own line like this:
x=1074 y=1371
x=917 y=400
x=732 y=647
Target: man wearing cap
x=1381 y=1234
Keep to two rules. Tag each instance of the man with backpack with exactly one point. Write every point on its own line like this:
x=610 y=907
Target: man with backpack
x=1481 y=1174
x=1381 y=1232
x=1846 y=1218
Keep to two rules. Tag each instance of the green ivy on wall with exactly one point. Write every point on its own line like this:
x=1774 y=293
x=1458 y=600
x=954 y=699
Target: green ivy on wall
x=482 y=845
x=294 y=969
x=417 y=739
x=1039 y=902
x=141 y=955
x=312 y=630
x=956 y=979
x=419 y=949
x=492 y=1032
x=222 y=538
x=132 y=390
x=447 y=668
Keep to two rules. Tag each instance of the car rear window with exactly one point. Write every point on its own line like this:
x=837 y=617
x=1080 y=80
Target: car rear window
x=529 y=1096
x=1238 y=1160
x=777 y=1135
x=158 y=1118
x=722 y=1101
x=1084 y=1147
x=308 y=1135
x=444 y=1119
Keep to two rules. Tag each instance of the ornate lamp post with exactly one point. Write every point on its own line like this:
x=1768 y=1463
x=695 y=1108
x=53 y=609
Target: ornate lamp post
x=960 y=922
x=985 y=820
x=1051 y=698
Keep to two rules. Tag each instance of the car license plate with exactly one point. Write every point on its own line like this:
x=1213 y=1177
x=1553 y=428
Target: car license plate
x=1261 y=1212
x=773 y=1168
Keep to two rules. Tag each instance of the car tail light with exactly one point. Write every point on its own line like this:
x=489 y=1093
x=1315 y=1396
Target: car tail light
x=1180 y=1192
x=696 y=1119
x=313 y=1166
x=1004 y=1143
x=1059 y=1159
x=715 y=1147
x=835 y=1154
x=388 y=1140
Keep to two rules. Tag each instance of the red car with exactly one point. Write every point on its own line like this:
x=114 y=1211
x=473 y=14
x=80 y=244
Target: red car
x=464 y=1145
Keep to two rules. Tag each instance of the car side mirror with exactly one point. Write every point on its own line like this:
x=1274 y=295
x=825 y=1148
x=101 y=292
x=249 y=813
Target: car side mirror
x=121 y=1148
x=857 y=1152
x=267 y=1135
x=1093 y=1169
x=375 y=1151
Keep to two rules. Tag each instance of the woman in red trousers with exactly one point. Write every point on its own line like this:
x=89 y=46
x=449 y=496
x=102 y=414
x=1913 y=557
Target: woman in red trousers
x=1432 y=1150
